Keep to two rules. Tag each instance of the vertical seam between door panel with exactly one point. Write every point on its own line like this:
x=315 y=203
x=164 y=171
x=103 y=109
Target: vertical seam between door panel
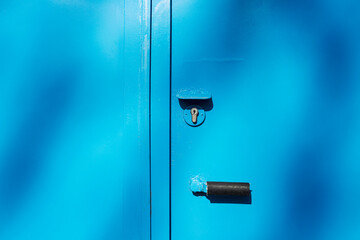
x=150 y=186
x=170 y=84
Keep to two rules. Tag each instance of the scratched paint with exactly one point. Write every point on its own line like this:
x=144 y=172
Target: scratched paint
x=198 y=184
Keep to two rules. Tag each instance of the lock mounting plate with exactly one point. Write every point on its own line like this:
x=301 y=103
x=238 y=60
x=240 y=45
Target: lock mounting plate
x=188 y=116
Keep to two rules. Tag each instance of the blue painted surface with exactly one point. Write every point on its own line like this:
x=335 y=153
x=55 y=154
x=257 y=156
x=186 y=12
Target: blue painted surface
x=74 y=120
x=284 y=78
x=198 y=185
x=189 y=94
x=160 y=120
x=77 y=113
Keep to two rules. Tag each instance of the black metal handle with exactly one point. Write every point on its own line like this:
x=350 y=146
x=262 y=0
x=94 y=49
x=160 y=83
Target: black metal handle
x=228 y=189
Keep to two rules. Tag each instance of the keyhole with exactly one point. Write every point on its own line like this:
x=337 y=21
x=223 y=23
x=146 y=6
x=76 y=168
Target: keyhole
x=194 y=113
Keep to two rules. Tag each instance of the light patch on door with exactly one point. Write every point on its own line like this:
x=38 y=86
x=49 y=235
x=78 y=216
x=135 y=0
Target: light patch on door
x=198 y=184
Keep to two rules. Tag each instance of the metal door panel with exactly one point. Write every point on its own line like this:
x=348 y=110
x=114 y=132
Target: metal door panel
x=74 y=127
x=160 y=119
x=285 y=118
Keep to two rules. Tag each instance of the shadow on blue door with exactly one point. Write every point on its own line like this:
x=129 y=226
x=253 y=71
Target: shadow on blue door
x=24 y=156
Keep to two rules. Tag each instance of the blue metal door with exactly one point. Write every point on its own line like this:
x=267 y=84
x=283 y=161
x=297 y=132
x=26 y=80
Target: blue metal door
x=74 y=119
x=281 y=80
x=85 y=137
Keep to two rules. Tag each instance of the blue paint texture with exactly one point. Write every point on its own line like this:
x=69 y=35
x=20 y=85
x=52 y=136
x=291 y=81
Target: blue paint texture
x=93 y=142
x=160 y=122
x=74 y=120
x=198 y=185
x=193 y=94
x=284 y=77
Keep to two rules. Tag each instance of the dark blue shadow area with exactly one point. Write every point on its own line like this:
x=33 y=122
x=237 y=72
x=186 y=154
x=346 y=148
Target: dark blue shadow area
x=24 y=156
x=206 y=104
x=306 y=13
x=335 y=81
x=312 y=182
x=226 y=199
x=310 y=195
